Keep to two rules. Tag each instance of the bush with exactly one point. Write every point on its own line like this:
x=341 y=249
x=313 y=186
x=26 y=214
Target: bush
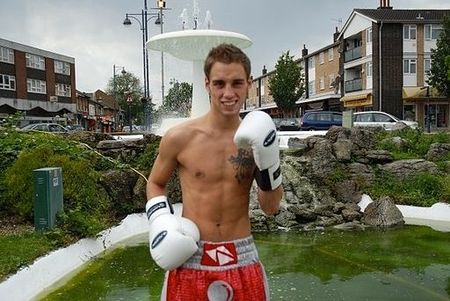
x=420 y=190
x=79 y=183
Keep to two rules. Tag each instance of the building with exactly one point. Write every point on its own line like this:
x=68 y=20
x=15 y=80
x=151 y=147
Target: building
x=378 y=61
x=322 y=75
x=386 y=57
x=36 y=82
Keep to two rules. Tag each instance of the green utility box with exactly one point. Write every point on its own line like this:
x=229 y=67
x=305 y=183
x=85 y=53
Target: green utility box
x=347 y=119
x=48 y=196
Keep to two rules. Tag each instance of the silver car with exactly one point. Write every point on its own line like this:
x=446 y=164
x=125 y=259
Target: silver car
x=379 y=119
x=45 y=127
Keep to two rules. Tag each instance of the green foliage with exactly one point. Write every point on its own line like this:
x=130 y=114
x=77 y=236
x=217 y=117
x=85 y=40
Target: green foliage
x=287 y=84
x=13 y=120
x=145 y=161
x=178 y=101
x=19 y=250
x=439 y=72
x=123 y=86
x=79 y=182
x=417 y=142
x=421 y=190
x=448 y=67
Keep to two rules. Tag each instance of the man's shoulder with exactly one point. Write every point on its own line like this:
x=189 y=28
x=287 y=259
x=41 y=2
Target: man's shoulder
x=183 y=131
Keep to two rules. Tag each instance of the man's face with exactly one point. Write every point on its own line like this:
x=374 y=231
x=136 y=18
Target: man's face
x=228 y=86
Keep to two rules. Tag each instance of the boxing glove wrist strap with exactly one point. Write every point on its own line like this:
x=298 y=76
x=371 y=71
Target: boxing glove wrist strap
x=270 y=178
x=157 y=206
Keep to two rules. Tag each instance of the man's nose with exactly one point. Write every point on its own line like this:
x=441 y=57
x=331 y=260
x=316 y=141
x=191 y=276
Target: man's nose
x=228 y=92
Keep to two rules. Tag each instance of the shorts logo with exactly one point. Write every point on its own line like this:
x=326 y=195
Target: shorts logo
x=220 y=290
x=219 y=254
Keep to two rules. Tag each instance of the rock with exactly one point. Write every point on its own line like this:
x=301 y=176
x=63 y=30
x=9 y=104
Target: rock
x=343 y=150
x=383 y=213
x=379 y=156
x=438 y=151
x=406 y=168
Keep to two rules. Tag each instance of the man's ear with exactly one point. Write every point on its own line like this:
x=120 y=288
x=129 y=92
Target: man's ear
x=207 y=85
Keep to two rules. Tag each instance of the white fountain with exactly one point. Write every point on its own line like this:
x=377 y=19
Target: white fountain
x=194 y=45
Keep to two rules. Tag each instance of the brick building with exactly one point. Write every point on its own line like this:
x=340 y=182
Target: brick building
x=39 y=83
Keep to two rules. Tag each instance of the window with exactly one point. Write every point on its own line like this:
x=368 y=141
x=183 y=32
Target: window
x=432 y=31
x=369 y=70
x=409 y=32
x=331 y=80
x=7 y=82
x=35 y=61
x=311 y=63
x=312 y=88
x=36 y=86
x=322 y=83
x=369 y=35
x=62 y=67
x=330 y=54
x=409 y=66
x=427 y=65
x=321 y=58
x=6 y=55
x=63 y=90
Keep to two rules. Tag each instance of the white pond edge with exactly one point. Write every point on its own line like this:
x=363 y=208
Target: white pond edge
x=31 y=281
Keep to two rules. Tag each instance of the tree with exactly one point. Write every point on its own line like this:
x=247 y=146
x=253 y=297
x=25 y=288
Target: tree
x=178 y=100
x=123 y=87
x=448 y=67
x=439 y=74
x=287 y=84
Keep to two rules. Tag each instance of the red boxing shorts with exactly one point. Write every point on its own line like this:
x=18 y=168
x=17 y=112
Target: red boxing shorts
x=219 y=271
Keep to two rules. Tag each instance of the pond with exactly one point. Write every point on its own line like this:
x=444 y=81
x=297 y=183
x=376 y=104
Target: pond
x=406 y=263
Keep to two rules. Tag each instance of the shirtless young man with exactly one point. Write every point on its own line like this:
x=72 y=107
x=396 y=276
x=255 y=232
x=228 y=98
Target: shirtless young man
x=209 y=252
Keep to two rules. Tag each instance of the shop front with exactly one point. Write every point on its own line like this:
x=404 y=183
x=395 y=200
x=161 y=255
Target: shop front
x=426 y=106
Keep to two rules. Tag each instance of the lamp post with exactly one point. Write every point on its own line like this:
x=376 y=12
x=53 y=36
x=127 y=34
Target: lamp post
x=114 y=86
x=143 y=23
x=130 y=121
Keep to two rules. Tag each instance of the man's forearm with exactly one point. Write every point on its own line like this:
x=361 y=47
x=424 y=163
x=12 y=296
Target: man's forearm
x=269 y=201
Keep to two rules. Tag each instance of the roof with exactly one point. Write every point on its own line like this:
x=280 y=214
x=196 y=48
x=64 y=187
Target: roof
x=405 y=15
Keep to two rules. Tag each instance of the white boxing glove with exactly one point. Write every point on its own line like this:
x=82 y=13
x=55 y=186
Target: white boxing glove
x=172 y=239
x=258 y=131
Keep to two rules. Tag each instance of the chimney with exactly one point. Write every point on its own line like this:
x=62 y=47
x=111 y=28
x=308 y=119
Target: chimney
x=304 y=51
x=385 y=4
x=335 y=35
x=264 y=70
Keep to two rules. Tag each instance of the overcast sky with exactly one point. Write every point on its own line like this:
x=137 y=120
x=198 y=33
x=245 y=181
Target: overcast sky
x=92 y=32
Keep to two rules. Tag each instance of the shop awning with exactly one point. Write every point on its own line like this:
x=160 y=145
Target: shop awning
x=419 y=93
x=357 y=100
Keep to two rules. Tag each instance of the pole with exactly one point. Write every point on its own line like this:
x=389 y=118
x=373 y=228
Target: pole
x=428 y=111
x=162 y=56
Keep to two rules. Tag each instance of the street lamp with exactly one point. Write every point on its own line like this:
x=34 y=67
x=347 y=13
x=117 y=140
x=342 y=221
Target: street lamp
x=115 y=68
x=130 y=121
x=143 y=23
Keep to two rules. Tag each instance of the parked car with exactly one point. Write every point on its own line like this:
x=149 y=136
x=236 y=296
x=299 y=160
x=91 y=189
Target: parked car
x=320 y=120
x=379 y=119
x=45 y=127
x=75 y=127
x=287 y=124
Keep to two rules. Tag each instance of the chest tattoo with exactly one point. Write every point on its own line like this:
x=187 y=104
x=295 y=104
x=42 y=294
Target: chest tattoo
x=243 y=164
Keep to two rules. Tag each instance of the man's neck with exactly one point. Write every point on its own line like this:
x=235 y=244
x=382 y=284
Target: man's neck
x=219 y=121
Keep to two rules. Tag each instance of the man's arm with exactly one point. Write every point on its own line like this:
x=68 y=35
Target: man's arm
x=172 y=239
x=258 y=131
x=163 y=167
x=269 y=201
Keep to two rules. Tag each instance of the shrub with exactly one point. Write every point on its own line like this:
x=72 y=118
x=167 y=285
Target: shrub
x=80 y=184
x=419 y=190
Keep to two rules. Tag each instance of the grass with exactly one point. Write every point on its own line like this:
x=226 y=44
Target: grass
x=21 y=249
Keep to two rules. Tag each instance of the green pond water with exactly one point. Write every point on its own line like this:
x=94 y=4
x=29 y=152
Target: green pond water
x=407 y=263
